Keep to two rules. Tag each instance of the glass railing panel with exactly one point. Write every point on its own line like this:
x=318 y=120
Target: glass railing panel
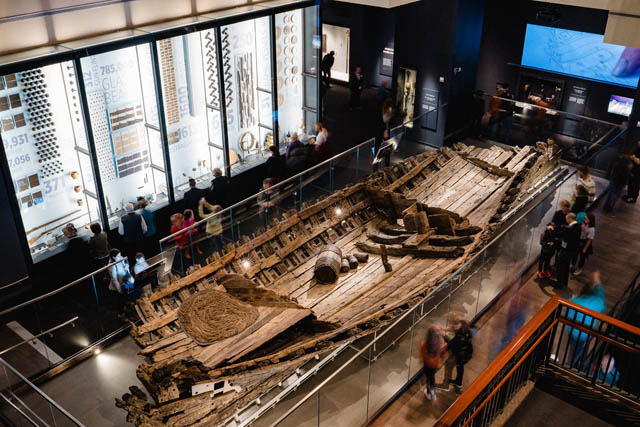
x=433 y=311
x=342 y=401
x=390 y=364
x=23 y=404
x=528 y=121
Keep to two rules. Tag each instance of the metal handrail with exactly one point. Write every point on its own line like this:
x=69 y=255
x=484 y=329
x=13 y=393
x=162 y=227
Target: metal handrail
x=41 y=393
x=404 y=316
x=547 y=109
x=270 y=190
x=552 y=309
x=67 y=286
x=48 y=331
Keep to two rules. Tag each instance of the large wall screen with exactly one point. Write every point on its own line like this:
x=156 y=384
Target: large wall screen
x=580 y=54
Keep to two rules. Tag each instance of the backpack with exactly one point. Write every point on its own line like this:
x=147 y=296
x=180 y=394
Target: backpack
x=463 y=347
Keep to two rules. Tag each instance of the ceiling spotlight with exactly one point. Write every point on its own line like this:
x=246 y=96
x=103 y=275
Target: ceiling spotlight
x=97 y=351
x=246 y=264
x=338 y=211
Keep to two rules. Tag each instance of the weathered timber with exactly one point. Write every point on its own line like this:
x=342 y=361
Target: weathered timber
x=424 y=251
x=385 y=258
x=388 y=240
x=437 y=240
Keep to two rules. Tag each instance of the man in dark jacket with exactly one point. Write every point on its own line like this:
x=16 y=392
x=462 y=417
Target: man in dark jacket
x=460 y=352
x=326 y=64
x=356 y=84
x=220 y=189
x=132 y=228
x=192 y=197
x=569 y=247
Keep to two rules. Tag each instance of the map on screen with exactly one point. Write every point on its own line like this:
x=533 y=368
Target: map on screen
x=578 y=54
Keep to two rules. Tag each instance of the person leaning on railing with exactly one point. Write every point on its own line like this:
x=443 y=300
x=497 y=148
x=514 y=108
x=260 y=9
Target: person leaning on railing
x=214 y=224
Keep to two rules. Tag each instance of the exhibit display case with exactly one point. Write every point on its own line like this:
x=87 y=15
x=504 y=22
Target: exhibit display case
x=48 y=157
x=138 y=113
x=123 y=113
x=190 y=92
x=246 y=58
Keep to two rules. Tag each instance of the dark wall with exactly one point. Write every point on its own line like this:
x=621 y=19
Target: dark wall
x=466 y=50
x=503 y=38
x=12 y=262
x=425 y=34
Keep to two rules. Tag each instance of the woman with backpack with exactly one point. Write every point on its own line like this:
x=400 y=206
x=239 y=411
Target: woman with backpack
x=460 y=352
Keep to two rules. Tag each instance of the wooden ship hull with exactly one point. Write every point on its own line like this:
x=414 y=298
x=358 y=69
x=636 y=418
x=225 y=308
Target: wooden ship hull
x=418 y=221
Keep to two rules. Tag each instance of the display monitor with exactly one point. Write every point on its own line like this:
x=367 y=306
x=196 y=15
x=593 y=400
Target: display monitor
x=580 y=54
x=620 y=105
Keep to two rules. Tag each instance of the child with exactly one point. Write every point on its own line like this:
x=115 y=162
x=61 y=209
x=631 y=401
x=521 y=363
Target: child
x=214 y=225
x=182 y=239
x=587 y=234
x=546 y=253
x=189 y=220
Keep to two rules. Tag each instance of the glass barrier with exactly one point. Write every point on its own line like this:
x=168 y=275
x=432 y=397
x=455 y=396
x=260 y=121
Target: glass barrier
x=44 y=332
x=502 y=119
x=201 y=242
x=23 y=404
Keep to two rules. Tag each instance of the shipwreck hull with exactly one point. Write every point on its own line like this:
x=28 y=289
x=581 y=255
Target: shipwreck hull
x=428 y=213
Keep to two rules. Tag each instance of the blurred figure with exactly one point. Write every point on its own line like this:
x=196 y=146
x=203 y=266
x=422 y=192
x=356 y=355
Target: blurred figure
x=591 y=297
x=326 y=64
x=547 y=244
x=182 y=239
x=586 y=180
x=275 y=166
x=382 y=93
x=506 y=114
x=617 y=180
x=580 y=200
x=214 y=223
x=460 y=352
x=432 y=352
x=634 y=177
x=356 y=84
x=494 y=109
x=189 y=220
x=267 y=199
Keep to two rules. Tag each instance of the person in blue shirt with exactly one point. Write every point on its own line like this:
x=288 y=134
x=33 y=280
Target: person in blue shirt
x=591 y=297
